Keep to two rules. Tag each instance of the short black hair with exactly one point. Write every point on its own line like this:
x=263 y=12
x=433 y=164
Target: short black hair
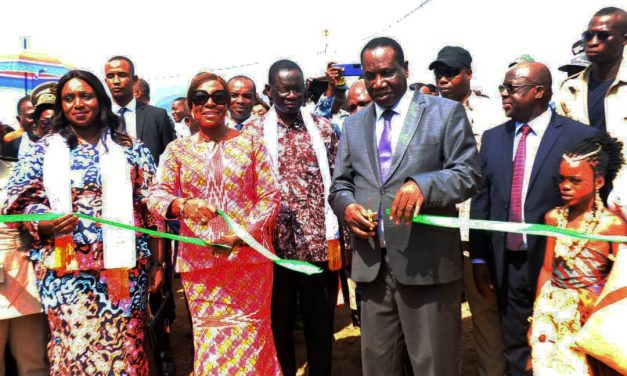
x=614 y=11
x=282 y=65
x=179 y=99
x=242 y=77
x=129 y=61
x=384 y=42
x=143 y=85
x=20 y=102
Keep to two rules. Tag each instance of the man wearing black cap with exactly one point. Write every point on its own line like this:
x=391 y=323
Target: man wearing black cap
x=579 y=62
x=453 y=73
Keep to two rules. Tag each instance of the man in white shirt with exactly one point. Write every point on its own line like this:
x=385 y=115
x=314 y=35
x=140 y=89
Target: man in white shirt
x=520 y=166
x=180 y=112
x=143 y=121
x=243 y=98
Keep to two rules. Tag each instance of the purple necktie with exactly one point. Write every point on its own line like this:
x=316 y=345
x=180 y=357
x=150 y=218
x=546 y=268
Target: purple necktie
x=385 y=159
x=385 y=145
x=514 y=241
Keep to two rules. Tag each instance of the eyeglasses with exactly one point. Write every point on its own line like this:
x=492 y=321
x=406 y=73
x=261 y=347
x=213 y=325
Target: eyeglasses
x=201 y=97
x=511 y=88
x=446 y=72
x=601 y=35
x=284 y=92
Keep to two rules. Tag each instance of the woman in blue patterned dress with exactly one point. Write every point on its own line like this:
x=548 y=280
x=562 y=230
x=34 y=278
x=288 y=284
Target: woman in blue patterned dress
x=96 y=311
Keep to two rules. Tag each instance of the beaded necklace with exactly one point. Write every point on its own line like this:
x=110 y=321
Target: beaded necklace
x=568 y=248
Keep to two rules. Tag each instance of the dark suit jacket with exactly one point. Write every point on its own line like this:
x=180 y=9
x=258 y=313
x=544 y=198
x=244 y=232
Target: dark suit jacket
x=437 y=150
x=154 y=128
x=492 y=201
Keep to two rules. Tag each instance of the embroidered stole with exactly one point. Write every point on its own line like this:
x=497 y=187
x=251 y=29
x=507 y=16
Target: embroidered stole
x=119 y=245
x=271 y=137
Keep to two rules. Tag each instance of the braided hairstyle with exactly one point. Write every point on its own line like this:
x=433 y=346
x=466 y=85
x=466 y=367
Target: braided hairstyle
x=605 y=155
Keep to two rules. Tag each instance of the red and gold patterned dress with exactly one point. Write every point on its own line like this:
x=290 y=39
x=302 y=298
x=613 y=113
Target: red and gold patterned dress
x=229 y=299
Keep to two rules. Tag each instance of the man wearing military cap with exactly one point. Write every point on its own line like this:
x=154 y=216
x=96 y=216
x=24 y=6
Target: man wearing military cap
x=42 y=98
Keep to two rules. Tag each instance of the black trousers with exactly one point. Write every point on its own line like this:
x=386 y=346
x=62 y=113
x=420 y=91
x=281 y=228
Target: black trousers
x=516 y=297
x=316 y=295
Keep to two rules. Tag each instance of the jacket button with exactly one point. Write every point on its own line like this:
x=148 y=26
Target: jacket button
x=382 y=192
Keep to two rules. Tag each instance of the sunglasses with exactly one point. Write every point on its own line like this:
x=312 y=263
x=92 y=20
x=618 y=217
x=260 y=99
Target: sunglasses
x=601 y=35
x=201 y=97
x=446 y=72
x=511 y=88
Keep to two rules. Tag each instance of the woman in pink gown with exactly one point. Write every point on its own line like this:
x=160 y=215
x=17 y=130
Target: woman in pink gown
x=228 y=291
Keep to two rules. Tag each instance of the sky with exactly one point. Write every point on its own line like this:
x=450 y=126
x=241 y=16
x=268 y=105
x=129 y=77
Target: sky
x=172 y=41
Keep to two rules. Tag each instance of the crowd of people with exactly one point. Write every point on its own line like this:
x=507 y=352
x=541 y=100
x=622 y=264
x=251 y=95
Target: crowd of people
x=311 y=176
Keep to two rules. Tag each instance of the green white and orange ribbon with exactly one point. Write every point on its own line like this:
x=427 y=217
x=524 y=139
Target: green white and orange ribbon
x=514 y=227
x=295 y=265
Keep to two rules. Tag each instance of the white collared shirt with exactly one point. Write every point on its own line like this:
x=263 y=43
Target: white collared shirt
x=400 y=112
x=400 y=108
x=534 y=137
x=182 y=130
x=130 y=116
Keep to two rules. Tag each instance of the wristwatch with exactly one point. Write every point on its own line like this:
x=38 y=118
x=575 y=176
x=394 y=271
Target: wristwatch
x=163 y=265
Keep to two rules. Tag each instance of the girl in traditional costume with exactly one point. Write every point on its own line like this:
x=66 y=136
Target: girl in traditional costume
x=93 y=280
x=228 y=290
x=575 y=270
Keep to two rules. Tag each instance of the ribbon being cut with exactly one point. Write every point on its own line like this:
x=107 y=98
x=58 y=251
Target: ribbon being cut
x=304 y=267
x=295 y=265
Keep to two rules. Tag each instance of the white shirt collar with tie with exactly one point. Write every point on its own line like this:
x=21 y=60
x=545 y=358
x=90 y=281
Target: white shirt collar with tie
x=130 y=116
x=538 y=126
x=401 y=108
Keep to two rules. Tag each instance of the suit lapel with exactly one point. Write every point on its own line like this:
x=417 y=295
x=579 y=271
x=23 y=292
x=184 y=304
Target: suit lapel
x=551 y=135
x=507 y=152
x=371 y=141
x=414 y=114
x=140 y=118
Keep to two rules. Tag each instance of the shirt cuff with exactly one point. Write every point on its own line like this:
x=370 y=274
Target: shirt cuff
x=478 y=261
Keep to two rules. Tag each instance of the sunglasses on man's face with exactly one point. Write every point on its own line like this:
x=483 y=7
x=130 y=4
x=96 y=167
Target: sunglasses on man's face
x=446 y=72
x=201 y=97
x=512 y=89
x=602 y=35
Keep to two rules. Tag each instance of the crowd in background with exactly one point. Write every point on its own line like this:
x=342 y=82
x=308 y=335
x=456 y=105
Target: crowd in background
x=308 y=168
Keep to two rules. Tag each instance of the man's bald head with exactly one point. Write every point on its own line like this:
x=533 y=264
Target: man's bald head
x=526 y=91
x=357 y=96
x=536 y=73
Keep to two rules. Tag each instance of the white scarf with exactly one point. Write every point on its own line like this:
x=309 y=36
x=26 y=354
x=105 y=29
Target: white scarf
x=119 y=248
x=271 y=137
